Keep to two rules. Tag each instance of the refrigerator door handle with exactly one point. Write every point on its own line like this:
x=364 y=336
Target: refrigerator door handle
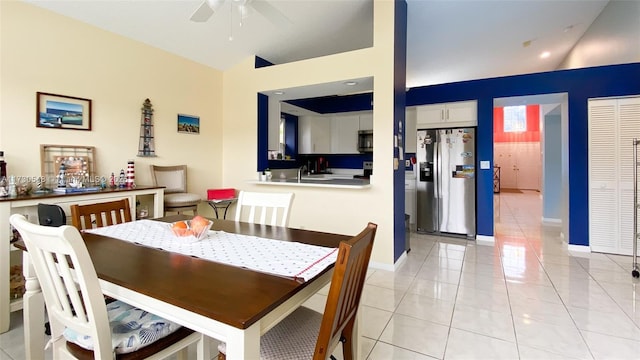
x=436 y=170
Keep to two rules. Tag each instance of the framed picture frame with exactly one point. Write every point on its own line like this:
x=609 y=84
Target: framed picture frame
x=188 y=124
x=62 y=112
x=79 y=161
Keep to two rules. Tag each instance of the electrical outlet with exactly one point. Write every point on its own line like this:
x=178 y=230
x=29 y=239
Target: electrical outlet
x=407 y=163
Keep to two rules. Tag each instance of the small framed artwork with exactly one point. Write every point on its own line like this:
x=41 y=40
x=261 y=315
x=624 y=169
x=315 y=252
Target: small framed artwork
x=63 y=112
x=188 y=124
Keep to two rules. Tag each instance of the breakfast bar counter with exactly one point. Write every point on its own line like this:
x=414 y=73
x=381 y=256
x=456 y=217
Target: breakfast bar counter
x=317 y=183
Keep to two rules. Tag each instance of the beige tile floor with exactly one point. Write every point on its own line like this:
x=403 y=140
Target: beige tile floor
x=527 y=297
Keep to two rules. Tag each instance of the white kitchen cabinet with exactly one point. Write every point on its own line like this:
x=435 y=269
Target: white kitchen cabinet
x=455 y=114
x=273 y=129
x=314 y=135
x=344 y=134
x=410 y=197
x=410 y=136
x=366 y=121
x=613 y=123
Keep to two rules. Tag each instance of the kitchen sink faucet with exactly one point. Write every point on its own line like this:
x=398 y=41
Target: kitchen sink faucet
x=300 y=171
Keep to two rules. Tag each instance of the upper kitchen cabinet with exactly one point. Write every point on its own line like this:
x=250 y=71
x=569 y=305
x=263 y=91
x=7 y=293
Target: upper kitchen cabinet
x=344 y=134
x=410 y=137
x=366 y=121
x=455 y=114
x=274 y=117
x=314 y=135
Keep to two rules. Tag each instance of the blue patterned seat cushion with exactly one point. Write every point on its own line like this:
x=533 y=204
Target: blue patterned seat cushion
x=131 y=329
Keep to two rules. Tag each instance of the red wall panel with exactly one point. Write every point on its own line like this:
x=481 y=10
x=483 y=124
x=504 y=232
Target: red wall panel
x=533 y=126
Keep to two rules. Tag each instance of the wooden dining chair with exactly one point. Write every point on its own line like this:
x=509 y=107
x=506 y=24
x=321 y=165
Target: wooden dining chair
x=82 y=325
x=100 y=214
x=257 y=207
x=176 y=197
x=307 y=334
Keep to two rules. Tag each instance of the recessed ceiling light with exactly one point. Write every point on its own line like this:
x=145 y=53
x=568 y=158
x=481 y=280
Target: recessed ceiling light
x=279 y=93
x=351 y=83
x=545 y=55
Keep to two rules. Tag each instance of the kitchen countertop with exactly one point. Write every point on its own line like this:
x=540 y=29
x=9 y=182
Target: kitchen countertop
x=318 y=182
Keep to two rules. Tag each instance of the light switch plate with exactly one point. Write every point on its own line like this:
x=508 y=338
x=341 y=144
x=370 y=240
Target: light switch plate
x=407 y=163
x=485 y=164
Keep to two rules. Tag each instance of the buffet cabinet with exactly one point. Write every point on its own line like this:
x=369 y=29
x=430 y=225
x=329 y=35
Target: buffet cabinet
x=27 y=205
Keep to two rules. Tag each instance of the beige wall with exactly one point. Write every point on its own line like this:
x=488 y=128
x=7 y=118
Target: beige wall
x=334 y=210
x=42 y=51
x=46 y=52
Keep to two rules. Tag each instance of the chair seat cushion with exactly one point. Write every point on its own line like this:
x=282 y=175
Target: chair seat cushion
x=293 y=338
x=181 y=199
x=131 y=329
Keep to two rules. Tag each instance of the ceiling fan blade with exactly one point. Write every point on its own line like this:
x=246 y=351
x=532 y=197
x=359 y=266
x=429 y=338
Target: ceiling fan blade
x=272 y=14
x=206 y=10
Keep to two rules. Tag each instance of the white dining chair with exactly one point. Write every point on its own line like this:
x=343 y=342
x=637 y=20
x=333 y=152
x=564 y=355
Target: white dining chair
x=257 y=207
x=308 y=334
x=82 y=325
x=176 y=197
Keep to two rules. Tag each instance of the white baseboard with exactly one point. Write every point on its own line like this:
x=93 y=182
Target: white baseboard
x=385 y=267
x=389 y=267
x=579 y=248
x=485 y=240
x=551 y=221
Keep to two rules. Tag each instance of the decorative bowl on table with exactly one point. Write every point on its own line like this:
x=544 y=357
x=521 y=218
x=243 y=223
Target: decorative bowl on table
x=193 y=230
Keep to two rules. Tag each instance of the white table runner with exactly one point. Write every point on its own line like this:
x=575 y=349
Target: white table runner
x=284 y=258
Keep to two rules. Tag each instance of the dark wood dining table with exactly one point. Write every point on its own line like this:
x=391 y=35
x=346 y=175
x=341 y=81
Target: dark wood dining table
x=228 y=303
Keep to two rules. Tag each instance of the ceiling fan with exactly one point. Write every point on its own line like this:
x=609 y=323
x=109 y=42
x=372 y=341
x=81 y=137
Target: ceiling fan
x=245 y=7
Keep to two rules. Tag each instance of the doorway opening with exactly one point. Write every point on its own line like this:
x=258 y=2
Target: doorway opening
x=531 y=153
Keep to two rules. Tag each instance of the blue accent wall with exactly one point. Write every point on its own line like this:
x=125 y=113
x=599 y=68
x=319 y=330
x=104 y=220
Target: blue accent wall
x=263 y=131
x=290 y=135
x=580 y=84
x=260 y=62
x=335 y=104
x=399 y=104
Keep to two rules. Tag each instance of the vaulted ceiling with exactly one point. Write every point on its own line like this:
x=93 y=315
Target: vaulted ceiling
x=448 y=41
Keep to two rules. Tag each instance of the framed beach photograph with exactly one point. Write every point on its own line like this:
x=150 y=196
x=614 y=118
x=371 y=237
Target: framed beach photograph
x=63 y=112
x=188 y=124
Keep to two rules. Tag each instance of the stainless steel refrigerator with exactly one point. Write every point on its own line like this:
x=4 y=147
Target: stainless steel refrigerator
x=445 y=183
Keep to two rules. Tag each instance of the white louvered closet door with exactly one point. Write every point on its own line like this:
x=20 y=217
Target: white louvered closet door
x=628 y=128
x=613 y=123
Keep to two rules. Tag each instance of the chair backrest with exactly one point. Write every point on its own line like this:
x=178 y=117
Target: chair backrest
x=256 y=207
x=69 y=282
x=345 y=292
x=173 y=178
x=51 y=215
x=100 y=214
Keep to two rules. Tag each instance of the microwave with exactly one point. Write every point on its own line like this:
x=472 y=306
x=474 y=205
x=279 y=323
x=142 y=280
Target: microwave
x=365 y=141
